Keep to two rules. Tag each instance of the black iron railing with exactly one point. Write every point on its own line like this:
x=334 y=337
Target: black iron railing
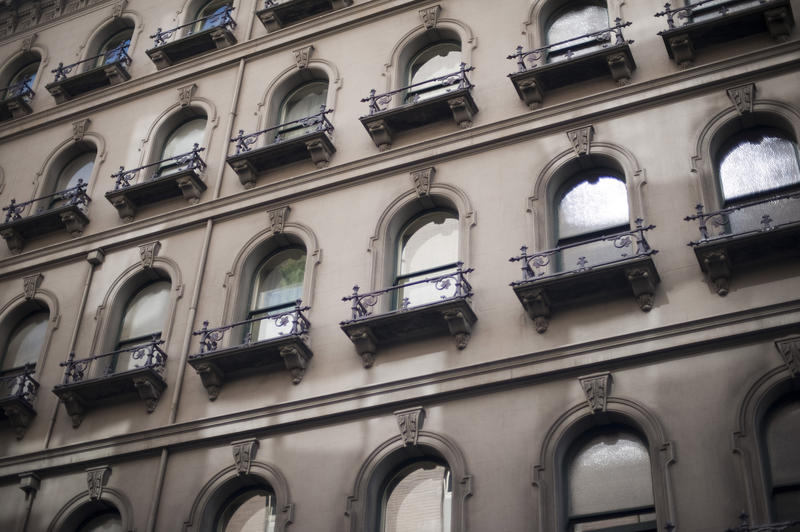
x=118 y=55
x=380 y=102
x=185 y=161
x=551 y=263
x=20 y=89
x=745 y=526
x=724 y=223
x=218 y=20
x=318 y=121
x=602 y=38
x=686 y=12
x=210 y=338
x=71 y=196
x=364 y=304
x=150 y=353
x=21 y=385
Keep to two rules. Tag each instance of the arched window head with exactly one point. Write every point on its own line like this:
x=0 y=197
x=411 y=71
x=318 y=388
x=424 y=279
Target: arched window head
x=106 y=521
x=418 y=498
x=304 y=101
x=781 y=434
x=22 y=80
x=142 y=321
x=210 y=15
x=609 y=483
x=180 y=141
x=77 y=170
x=439 y=59
x=426 y=247
x=277 y=285
x=575 y=19
x=249 y=510
x=24 y=344
x=114 y=48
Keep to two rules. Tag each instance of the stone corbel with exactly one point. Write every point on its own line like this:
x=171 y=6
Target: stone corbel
x=537 y=305
x=789 y=349
x=160 y=59
x=620 y=67
x=222 y=37
x=114 y=74
x=319 y=152
x=718 y=268
x=365 y=343
x=296 y=361
x=462 y=111
x=682 y=50
x=18 y=108
x=125 y=209
x=19 y=417
x=459 y=327
x=73 y=223
x=148 y=392
x=531 y=93
x=189 y=188
x=381 y=134
x=643 y=283
x=244 y=452
x=58 y=93
x=246 y=172
x=409 y=421
x=13 y=239
x=75 y=407
x=779 y=23
x=211 y=377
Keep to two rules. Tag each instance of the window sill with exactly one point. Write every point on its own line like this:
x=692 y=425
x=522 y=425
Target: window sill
x=69 y=217
x=14 y=107
x=292 y=11
x=96 y=78
x=191 y=45
x=127 y=200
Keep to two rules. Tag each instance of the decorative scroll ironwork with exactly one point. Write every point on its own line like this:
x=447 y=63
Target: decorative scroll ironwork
x=538 y=57
x=364 y=304
x=745 y=526
x=686 y=12
x=21 y=385
x=72 y=196
x=210 y=338
x=319 y=121
x=219 y=20
x=380 y=102
x=538 y=265
x=150 y=353
x=118 y=55
x=20 y=89
x=186 y=161
x=721 y=219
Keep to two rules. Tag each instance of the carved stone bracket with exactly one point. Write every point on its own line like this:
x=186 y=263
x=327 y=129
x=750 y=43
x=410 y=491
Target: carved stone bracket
x=531 y=93
x=365 y=344
x=381 y=134
x=246 y=172
x=190 y=190
x=96 y=480
x=430 y=16
x=409 y=421
x=459 y=326
x=682 y=50
x=211 y=377
x=742 y=97
x=581 y=139
x=79 y=129
x=30 y=284
x=75 y=406
x=27 y=42
x=116 y=75
x=718 y=268
x=462 y=111
x=302 y=56
x=789 y=348
x=779 y=23
x=13 y=239
x=296 y=361
x=19 y=417
x=320 y=152
x=186 y=93
x=621 y=68
x=537 y=305
x=597 y=388
x=422 y=180
x=643 y=283
x=244 y=452
x=148 y=392
x=148 y=253
x=73 y=223
x=222 y=38
x=277 y=218
x=160 y=59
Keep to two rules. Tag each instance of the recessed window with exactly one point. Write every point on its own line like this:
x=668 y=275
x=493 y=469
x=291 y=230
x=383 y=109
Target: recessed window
x=434 y=61
x=23 y=78
x=250 y=511
x=25 y=341
x=108 y=521
x=303 y=102
x=277 y=285
x=575 y=20
x=78 y=169
x=115 y=48
x=142 y=321
x=212 y=15
x=418 y=498
x=782 y=432
x=179 y=142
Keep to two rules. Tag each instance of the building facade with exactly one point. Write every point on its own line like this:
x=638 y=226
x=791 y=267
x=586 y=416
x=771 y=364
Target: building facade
x=255 y=271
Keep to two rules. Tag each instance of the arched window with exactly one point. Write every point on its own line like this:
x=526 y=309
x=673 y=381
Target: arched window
x=24 y=344
x=306 y=100
x=210 y=15
x=249 y=510
x=608 y=482
x=426 y=247
x=418 y=497
x=22 y=80
x=439 y=59
x=114 y=48
x=277 y=285
x=106 y=521
x=781 y=435
x=77 y=170
x=575 y=19
x=180 y=140
x=142 y=321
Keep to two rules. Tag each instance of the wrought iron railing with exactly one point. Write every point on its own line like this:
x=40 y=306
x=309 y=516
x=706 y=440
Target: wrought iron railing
x=380 y=102
x=750 y=220
x=745 y=526
x=210 y=338
x=602 y=38
x=541 y=265
x=118 y=55
x=687 y=11
x=185 y=161
x=364 y=304
x=20 y=89
x=150 y=353
x=72 y=196
x=218 y=20
x=318 y=121
x=20 y=385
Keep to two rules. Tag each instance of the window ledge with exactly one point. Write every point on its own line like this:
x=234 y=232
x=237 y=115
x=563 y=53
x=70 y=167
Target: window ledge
x=191 y=45
x=69 y=217
x=96 y=78
x=14 y=107
x=215 y=367
x=452 y=316
x=285 y=13
x=145 y=383
x=316 y=146
x=636 y=276
x=381 y=125
x=127 y=200
x=615 y=61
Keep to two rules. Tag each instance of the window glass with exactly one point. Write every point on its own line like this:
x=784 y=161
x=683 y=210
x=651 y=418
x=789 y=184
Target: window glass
x=782 y=436
x=301 y=103
x=574 y=21
x=418 y=499
x=23 y=78
x=109 y=521
x=215 y=11
x=434 y=61
x=278 y=283
x=79 y=168
x=180 y=142
x=592 y=205
x=252 y=511
x=142 y=319
x=114 y=48
x=25 y=341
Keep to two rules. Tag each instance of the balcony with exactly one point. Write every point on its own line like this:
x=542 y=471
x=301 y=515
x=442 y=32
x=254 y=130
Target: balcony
x=15 y=102
x=281 y=13
x=710 y=22
x=282 y=344
x=214 y=33
x=17 y=393
x=60 y=210
x=443 y=308
x=429 y=101
x=170 y=178
x=743 y=236
x=306 y=138
x=112 y=71
x=564 y=63
x=608 y=266
x=143 y=379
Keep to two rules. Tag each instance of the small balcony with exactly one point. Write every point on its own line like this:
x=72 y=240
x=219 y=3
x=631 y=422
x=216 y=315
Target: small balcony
x=15 y=100
x=168 y=178
x=213 y=32
x=278 y=14
x=438 y=306
x=17 y=393
x=281 y=344
x=416 y=105
x=745 y=236
x=112 y=71
x=142 y=378
x=586 y=272
x=711 y=22
x=603 y=53
x=52 y=212
x=306 y=138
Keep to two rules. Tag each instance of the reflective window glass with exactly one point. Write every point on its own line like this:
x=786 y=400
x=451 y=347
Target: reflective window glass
x=26 y=341
x=277 y=285
x=251 y=511
x=181 y=141
x=78 y=169
x=303 y=102
x=210 y=16
x=574 y=21
x=23 y=79
x=782 y=435
x=109 y=521
x=115 y=48
x=142 y=319
x=592 y=205
x=434 y=61
x=418 y=499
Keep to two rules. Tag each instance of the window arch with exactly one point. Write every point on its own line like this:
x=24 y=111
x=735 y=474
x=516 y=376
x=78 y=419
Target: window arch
x=181 y=139
x=112 y=512
x=295 y=96
x=571 y=20
x=432 y=61
x=25 y=340
x=19 y=76
x=417 y=497
x=210 y=15
x=277 y=285
x=781 y=432
x=114 y=47
x=251 y=509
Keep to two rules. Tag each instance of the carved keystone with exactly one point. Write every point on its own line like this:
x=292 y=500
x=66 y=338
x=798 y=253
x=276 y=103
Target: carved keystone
x=186 y=93
x=30 y=284
x=79 y=129
x=581 y=139
x=789 y=348
x=430 y=16
x=742 y=97
x=244 y=452
x=148 y=253
x=302 y=56
x=96 y=480
x=597 y=388
x=422 y=180
x=277 y=218
x=409 y=421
